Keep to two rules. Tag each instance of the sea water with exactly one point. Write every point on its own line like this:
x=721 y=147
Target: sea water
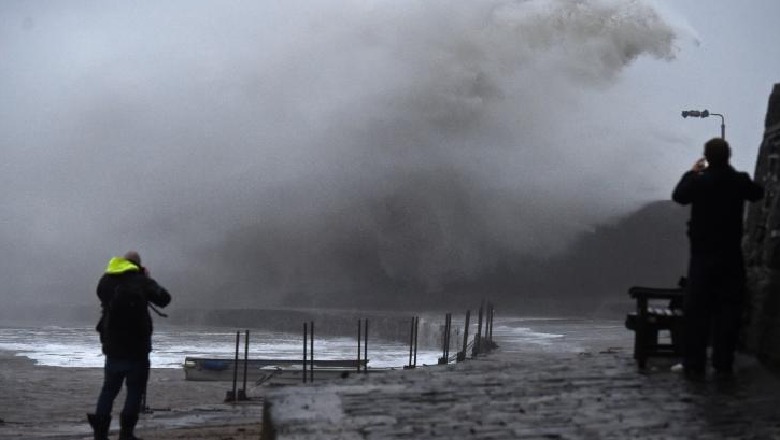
x=79 y=346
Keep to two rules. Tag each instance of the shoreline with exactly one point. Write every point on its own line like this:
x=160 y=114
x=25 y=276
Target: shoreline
x=52 y=402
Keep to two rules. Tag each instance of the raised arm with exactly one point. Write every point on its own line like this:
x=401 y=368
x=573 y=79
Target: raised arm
x=157 y=294
x=685 y=190
x=751 y=190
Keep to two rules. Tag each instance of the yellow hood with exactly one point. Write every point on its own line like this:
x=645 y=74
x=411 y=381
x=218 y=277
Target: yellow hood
x=119 y=265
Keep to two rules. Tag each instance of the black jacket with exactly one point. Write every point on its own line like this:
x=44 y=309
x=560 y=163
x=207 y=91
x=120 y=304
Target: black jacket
x=134 y=342
x=717 y=196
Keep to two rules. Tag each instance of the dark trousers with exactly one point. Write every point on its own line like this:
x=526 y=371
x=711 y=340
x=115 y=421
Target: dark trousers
x=133 y=373
x=713 y=308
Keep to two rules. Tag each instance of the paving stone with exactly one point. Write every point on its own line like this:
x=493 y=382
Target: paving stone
x=544 y=396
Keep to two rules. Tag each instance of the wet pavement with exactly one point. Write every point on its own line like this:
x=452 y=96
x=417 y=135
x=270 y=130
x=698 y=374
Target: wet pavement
x=511 y=395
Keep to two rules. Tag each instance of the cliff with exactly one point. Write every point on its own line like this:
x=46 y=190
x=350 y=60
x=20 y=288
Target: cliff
x=762 y=245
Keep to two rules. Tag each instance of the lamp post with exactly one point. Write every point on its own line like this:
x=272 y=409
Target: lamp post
x=704 y=114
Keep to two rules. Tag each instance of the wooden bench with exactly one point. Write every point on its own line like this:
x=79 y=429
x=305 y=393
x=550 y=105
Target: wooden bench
x=650 y=319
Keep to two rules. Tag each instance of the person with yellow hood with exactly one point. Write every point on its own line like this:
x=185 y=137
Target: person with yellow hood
x=126 y=291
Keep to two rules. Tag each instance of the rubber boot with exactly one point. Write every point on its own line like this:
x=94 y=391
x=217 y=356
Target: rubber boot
x=126 y=425
x=100 y=424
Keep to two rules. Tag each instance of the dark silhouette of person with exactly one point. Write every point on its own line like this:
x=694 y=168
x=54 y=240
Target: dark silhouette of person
x=714 y=293
x=125 y=291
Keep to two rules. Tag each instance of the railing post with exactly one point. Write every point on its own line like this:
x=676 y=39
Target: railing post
x=311 y=353
x=305 y=346
x=486 y=334
x=232 y=394
x=492 y=316
x=462 y=354
x=446 y=338
x=416 y=332
x=242 y=393
x=449 y=335
x=358 y=341
x=365 y=347
x=445 y=358
x=411 y=343
x=478 y=337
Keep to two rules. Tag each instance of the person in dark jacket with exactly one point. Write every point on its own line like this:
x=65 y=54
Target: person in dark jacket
x=125 y=291
x=716 y=273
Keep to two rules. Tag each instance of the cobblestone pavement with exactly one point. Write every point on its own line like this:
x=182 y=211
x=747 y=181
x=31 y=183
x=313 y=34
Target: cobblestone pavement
x=597 y=395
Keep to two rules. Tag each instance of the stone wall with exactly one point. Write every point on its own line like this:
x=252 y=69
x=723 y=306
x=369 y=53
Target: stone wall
x=762 y=245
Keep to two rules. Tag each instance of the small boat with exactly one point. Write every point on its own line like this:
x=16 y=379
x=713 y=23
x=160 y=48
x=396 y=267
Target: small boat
x=276 y=371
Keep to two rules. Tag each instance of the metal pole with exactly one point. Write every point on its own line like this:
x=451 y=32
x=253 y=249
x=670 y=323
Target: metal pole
x=235 y=367
x=486 y=333
x=246 y=360
x=487 y=320
x=445 y=340
x=449 y=335
x=145 y=407
x=462 y=355
x=305 y=345
x=358 y=353
x=311 y=353
x=478 y=337
x=416 y=332
x=365 y=346
x=722 y=124
x=492 y=317
x=411 y=342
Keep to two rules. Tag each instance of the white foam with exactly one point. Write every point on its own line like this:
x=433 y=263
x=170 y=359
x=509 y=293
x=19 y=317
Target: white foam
x=80 y=347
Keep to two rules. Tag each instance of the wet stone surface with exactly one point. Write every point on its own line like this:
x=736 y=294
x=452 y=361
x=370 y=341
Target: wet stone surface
x=598 y=395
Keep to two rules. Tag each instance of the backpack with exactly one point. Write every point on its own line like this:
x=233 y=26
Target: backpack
x=125 y=322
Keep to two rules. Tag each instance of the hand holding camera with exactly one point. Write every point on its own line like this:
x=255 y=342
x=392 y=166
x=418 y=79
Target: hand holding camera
x=700 y=165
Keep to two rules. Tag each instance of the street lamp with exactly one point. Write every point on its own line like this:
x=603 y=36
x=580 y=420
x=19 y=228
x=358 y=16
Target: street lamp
x=704 y=114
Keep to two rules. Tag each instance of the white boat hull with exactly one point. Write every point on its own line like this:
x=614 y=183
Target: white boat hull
x=269 y=371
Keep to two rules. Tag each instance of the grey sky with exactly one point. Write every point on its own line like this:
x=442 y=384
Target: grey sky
x=262 y=149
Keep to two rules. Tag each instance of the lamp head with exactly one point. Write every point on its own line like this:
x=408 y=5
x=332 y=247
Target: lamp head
x=695 y=113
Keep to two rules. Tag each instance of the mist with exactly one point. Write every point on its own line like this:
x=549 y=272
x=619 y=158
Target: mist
x=315 y=152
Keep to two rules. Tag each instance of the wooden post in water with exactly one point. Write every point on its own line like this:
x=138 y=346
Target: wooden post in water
x=305 y=345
